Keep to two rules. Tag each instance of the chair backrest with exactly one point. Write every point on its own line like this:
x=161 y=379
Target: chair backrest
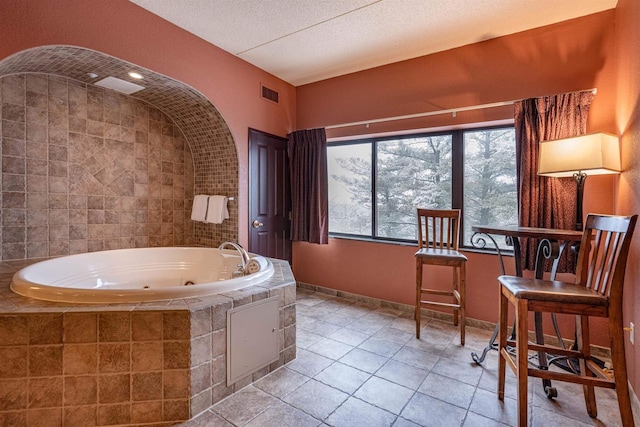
x=438 y=228
x=603 y=254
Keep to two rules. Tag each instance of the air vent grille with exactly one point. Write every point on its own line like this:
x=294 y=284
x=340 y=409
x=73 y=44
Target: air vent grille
x=270 y=95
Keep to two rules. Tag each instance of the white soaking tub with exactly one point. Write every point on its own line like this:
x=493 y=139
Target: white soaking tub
x=136 y=275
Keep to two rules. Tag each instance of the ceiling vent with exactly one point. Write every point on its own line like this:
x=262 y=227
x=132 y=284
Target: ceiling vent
x=119 y=85
x=270 y=95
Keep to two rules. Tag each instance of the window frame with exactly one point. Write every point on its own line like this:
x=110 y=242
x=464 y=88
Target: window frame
x=457 y=180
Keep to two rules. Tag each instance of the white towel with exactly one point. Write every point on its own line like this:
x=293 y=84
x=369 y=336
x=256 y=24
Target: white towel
x=218 y=210
x=200 y=205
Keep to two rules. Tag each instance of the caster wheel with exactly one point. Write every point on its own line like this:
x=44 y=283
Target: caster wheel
x=551 y=392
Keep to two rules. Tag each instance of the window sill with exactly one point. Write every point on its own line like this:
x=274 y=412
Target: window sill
x=372 y=240
x=505 y=252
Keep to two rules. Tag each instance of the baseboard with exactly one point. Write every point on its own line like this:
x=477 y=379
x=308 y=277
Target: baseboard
x=635 y=404
x=597 y=351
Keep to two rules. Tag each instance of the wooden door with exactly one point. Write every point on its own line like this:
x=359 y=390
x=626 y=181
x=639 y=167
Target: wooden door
x=269 y=196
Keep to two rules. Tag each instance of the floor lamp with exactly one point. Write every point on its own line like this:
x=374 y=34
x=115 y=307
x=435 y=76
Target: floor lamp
x=577 y=157
x=595 y=154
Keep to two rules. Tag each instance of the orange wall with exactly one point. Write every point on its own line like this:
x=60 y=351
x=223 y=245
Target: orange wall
x=387 y=271
x=126 y=31
x=628 y=125
x=564 y=57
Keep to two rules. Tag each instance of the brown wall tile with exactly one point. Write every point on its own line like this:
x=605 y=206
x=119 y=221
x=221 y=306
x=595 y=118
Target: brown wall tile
x=45 y=360
x=175 y=384
x=13 y=330
x=45 y=417
x=114 y=327
x=176 y=354
x=80 y=328
x=146 y=412
x=176 y=326
x=13 y=419
x=80 y=415
x=13 y=362
x=146 y=386
x=114 y=388
x=45 y=392
x=80 y=359
x=146 y=356
x=13 y=394
x=114 y=414
x=45 y=329
x=146 y=326
x=176 y=410
x=114 y=357
x=81 y=390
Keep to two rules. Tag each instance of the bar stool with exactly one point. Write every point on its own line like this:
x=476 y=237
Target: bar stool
x=438 y=245
x=597 y=291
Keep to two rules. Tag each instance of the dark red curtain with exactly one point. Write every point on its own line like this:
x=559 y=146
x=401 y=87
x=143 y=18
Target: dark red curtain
x=309 y=186
x=543 y=201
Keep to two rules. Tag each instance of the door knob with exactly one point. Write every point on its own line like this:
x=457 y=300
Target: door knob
x=256 y=224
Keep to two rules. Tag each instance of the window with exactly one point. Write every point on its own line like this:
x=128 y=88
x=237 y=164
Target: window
x=376 y=184
x=349 y=170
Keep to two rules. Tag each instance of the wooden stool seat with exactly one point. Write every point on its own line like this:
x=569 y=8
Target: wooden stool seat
x=440 y=256
x=551 y=291
x=597 y=292
x=438 y=245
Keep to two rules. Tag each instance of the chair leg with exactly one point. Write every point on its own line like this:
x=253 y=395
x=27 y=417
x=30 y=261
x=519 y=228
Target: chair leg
x=456 y=282
x=543 y=363
x=522 y=360
x=618 y=360
x=502 y=342
x=463 y=298
x=418 y=296
x=584 y=346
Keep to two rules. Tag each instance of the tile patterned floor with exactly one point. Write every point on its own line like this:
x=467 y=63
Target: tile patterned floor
x=360 y=365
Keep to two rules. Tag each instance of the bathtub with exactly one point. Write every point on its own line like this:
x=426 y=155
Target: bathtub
x=137 y=275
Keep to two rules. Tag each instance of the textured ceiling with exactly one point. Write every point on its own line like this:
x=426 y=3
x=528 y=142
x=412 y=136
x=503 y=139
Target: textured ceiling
x=302 y=41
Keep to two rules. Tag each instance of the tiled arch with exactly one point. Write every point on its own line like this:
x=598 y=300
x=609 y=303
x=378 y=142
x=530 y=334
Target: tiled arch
x=214 y=152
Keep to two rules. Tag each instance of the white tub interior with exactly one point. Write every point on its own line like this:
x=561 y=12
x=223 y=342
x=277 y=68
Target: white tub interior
x=135 y=275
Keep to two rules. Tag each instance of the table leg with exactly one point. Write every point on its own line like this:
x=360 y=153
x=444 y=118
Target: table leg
x=478 y=241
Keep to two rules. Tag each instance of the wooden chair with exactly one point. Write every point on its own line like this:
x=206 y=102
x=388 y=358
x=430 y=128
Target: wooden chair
x=438 y=245
x=597 y=291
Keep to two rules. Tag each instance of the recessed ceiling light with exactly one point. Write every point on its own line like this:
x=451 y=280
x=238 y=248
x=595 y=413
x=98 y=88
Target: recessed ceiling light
x=119 y=85
x=135 y=75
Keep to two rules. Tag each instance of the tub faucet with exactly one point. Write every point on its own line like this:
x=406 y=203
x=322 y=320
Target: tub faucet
x=244 y=255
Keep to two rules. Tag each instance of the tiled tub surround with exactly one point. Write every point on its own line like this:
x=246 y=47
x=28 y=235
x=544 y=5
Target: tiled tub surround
x=87 y=169
x=149 y=363
x=215 y=156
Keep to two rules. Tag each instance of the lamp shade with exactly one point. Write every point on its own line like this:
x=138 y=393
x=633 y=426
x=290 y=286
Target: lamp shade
x=594 y=154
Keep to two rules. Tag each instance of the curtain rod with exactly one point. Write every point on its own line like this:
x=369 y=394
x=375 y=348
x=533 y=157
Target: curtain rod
x=436 y=112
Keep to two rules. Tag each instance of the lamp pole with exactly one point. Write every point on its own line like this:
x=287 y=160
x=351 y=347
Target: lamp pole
x=580 y=178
